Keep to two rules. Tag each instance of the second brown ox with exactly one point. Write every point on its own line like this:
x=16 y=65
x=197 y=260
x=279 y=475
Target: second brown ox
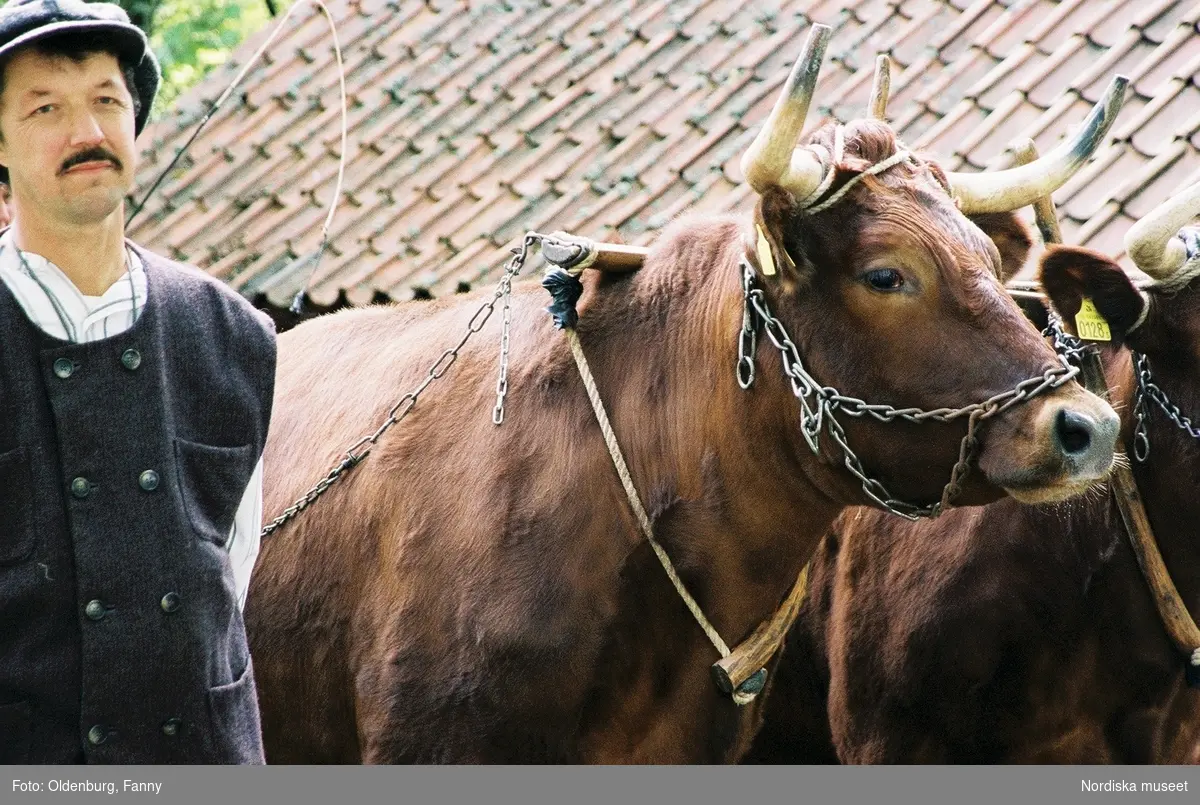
x=1021 y=634
x=475 y=593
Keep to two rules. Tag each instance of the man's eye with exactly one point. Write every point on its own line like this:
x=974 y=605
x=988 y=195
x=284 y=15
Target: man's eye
x=884 y=279
x=41 y=110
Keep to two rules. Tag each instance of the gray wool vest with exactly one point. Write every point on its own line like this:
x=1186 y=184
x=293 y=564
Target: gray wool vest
x=122 y=464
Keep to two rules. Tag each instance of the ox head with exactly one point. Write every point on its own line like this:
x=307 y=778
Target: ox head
x=887 y=278
x=1160 y=319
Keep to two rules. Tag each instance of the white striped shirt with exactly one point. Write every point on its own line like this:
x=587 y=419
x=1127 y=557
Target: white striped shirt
x=57 y=308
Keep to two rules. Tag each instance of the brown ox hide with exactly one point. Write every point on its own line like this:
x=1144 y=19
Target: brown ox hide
x=1011 y=633
x=474 y=593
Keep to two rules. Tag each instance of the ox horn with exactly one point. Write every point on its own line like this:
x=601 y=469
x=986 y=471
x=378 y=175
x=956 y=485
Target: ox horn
x=880 y=87
x=1001 y=191
x=1151 y=242
x=773 y=159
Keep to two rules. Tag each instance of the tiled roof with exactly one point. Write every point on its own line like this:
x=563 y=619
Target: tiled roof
x=472 y=122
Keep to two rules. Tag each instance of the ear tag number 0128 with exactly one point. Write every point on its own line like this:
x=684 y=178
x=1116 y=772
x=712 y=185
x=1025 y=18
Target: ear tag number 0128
x=1089 y=324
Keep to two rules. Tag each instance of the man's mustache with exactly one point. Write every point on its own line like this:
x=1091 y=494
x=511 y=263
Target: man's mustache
x=96 y=154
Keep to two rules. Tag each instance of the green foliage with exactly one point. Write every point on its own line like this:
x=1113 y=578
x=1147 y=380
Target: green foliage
x=191 y=37
x=141 y=12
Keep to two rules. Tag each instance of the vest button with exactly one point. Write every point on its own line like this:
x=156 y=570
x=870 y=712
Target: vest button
x=171 y=726
x=81 y=487
x=95 y=610
x=131 y=359
x=170 y=602
x=64 y=368
x=97 y=735
x=148 y=480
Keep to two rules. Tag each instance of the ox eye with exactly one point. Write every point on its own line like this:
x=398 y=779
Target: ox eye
x=884 y=279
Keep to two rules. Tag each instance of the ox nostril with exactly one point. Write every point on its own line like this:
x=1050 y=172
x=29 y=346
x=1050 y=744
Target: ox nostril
x=1073 y=431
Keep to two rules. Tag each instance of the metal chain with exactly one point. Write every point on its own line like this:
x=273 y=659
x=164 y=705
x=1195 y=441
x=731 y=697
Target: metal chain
x=1148 y=389
x=819 y=403
x=362 y=448
x=747 y=346
x=1069 y=347
x=1141 y=432
x=502 y=380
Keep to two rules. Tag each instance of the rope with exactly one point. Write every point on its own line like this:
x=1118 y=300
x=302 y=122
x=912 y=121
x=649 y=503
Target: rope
x=614 y=450
x=1141 y=319
x=878 y=167
x=1178 y=280
x=831 y=160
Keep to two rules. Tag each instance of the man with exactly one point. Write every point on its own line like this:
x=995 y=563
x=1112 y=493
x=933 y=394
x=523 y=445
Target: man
x=135 y=396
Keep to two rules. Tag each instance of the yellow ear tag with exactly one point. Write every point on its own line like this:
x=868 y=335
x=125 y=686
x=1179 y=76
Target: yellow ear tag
x=765 y=261
x=1090 y=325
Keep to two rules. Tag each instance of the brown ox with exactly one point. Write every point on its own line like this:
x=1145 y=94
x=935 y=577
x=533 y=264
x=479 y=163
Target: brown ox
x=1012 y=633
x=474 y=593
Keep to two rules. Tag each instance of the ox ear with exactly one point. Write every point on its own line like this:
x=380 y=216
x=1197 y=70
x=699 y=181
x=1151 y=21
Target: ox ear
x=1071 y=273
x=769 y=250
x=1011 y=236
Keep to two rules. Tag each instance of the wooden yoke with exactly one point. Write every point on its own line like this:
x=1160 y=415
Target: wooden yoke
x=619 y=258
x=573 y=252
x=744 y=670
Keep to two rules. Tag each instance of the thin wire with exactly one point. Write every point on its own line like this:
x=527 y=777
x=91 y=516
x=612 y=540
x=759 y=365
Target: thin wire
x=297 y=300
x=337 y=190
x=229 y=91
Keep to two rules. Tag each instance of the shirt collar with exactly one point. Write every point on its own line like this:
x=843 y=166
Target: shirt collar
x=10 y=260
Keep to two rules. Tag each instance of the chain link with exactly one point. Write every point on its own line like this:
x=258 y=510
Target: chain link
x=357 y=452
x=819 y=403
x=1069 y=347
x=747 y=345
x=502 y=380
x=1148 y=389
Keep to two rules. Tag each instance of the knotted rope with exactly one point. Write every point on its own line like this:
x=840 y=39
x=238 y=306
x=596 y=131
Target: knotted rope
x=830 y=160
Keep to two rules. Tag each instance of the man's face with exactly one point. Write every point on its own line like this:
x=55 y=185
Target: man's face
x=67 y=130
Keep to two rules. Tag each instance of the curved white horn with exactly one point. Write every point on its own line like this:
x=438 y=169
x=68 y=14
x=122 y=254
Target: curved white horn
x=1151 y=242
x=773 y=159
x=1001 y=191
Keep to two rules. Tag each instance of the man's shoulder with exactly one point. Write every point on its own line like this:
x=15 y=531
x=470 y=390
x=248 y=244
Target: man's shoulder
x=184 y=273
x=199 y=284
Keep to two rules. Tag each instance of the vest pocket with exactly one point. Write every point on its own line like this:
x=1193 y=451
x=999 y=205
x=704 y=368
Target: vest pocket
x=235 y=735
x=16 y=731
x=212 y=481
x=16 y=507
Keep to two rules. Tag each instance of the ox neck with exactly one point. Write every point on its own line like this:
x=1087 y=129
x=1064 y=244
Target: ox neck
x=743 y=503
